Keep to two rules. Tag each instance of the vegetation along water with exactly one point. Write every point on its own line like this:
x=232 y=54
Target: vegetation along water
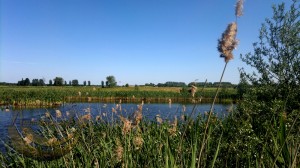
x=263 y=130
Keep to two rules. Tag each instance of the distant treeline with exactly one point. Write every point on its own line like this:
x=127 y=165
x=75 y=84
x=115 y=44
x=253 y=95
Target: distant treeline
x=197 y=84
x=59 y=81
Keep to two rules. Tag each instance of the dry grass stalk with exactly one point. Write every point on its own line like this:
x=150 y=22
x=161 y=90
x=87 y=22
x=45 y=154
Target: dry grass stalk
x=228 y=42
x=87 y=110
x=28 y=138
x=138 y=142
x=119 y=151
x=98 y=118
x=239 y=8
x=52 y=141
x=173 y=130
x=138 y=116
x=158 y=119
x=193 y=90
x=126 y=125
x=58 y=113
x=86 y=117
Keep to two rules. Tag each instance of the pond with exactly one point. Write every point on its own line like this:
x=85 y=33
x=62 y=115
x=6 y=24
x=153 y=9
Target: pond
x=108 y=112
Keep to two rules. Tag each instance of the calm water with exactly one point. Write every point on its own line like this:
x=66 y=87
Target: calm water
x=166 y=112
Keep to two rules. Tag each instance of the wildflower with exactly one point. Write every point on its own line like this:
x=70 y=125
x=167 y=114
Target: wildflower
x=239 y=8
x=58 y=113
x=228 y=42
x=89 y=99
x=126 y=125
x=79 y=93
x=120 y=101
x=67 y=113
x=94 y=89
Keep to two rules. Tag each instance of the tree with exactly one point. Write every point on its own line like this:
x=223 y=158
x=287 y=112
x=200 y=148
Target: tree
x=75 y=82
x=102 y=84
x=84 y=83
x=42 y=82
x=58 y=81
x=275 y=83
x=50 y=82
x=276 y=58
x=89 y=83
x=111 y=81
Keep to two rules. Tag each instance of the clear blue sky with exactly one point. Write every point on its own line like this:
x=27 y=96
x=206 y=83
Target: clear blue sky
x=137 y=41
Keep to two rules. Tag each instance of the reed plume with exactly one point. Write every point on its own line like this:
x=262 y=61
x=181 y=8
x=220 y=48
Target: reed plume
x=138 y=142
x=228 y=42
x=239 y=8
x=119 y=151
x=126 y=125
x=58 y=113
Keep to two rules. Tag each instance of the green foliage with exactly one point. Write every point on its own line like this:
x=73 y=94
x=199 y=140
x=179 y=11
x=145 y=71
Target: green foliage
x=111 y=81
x=276 y=58
x=58 y=81
x=75 y=82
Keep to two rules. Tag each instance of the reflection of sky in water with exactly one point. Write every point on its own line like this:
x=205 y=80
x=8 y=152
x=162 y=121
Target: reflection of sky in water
x=166 y=112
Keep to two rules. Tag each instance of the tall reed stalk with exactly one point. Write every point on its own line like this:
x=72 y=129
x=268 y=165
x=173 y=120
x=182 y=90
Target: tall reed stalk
x=226 y=44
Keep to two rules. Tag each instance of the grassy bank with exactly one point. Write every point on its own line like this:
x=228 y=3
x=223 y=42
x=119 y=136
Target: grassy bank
x=48 y=96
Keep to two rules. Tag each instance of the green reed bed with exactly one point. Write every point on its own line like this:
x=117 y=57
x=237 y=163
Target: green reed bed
x=48 y=96
x=139 y=142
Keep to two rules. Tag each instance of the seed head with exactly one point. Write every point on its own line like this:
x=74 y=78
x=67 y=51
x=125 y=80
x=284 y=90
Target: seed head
x=239 y=8
x=58 y=113
x=228 y=42
x=126 y=125
x=138 y=142
x=119 y=151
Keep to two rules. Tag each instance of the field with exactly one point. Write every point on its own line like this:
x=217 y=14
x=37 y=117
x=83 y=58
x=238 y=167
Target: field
x=51 y=95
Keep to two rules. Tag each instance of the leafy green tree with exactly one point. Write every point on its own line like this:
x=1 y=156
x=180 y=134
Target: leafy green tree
x=75 y=82
x=84 y=83
x=102 y=84
x=58 y=81
x=50 y=82
x=276 y=59
x=41 y=82
x=111 y=81
x=89 y=83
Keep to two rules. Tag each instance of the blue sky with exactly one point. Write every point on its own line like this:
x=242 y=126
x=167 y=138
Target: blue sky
x=137 y=41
